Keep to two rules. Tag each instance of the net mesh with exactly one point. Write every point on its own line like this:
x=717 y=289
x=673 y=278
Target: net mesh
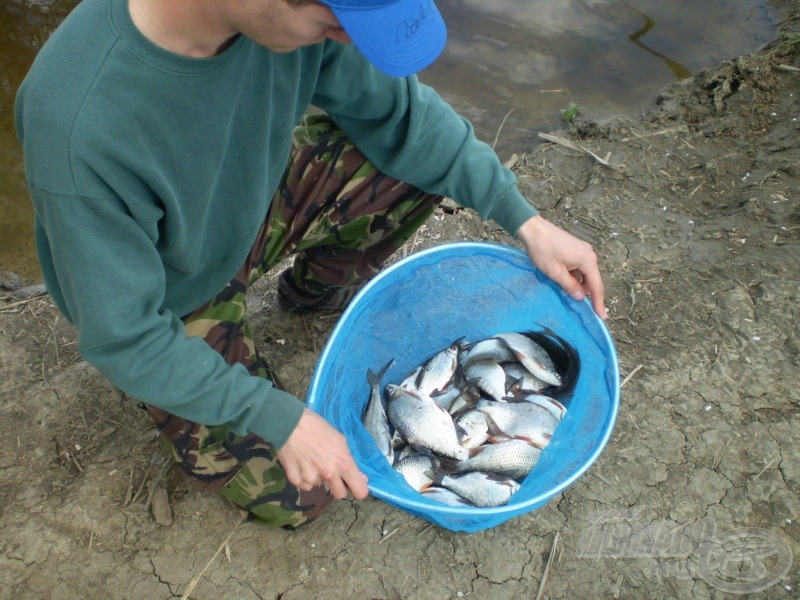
x=418 y=306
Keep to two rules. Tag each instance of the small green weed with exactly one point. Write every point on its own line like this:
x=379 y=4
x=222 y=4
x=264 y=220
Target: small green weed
x=572 y=111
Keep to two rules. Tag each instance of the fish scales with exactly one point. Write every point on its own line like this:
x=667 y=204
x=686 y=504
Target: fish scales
x=437 y=372
x=532 y=356
x=516 y=372
x=444 y=496
x=512 y=458
x=488 y=350
x=474 y=428
x=489 y=377
x=418 y=469
x=523 y=420
x=480 y=489
x=424 y=424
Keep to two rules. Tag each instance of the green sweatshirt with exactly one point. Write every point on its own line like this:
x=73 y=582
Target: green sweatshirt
x=151 y=173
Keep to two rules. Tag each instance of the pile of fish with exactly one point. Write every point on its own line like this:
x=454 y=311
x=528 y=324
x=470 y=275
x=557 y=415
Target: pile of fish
x=468 y=424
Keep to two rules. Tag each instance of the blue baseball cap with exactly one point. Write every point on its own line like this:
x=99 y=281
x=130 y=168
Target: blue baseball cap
x=399 y=37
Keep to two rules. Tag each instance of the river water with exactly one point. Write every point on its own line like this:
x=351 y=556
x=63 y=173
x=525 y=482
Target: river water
x=510 y=66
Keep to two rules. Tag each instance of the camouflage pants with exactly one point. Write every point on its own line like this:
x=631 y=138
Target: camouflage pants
x=341 y=219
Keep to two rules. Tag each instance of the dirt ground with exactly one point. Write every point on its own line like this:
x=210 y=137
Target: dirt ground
x=697 y=223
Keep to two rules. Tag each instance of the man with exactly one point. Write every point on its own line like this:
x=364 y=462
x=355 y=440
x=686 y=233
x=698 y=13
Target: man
x=168 y=173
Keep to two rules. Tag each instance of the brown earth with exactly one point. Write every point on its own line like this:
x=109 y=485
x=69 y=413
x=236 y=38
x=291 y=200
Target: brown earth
x=697 y=223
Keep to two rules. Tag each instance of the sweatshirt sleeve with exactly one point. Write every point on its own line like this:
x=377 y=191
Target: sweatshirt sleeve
x=408 y=131
x=109 y=281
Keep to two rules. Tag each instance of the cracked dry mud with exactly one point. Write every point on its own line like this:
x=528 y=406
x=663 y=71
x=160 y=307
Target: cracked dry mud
x=698 y=239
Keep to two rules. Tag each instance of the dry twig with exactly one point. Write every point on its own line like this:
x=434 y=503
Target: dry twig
x=547 y=566
x=572 y=145
x=193 y=583
x=503 y=122
x=767 y=466
x=630 y=375
x=19 y=303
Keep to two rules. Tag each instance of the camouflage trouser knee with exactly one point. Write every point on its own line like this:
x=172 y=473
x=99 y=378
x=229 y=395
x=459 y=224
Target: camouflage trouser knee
x=342 y=219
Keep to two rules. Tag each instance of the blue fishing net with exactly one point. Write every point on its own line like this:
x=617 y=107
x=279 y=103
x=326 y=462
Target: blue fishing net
x=418 y=306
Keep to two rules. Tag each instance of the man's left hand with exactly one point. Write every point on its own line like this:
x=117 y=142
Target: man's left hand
x=567 y=260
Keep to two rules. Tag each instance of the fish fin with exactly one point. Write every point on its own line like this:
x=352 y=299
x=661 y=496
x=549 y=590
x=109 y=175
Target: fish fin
x=477 y=450
x=458 y=343
x=515 y=383
x=385 y=368
x=537 y=442
x=534 y=443
x=460 y=431
x=437 y=477
x=498 y=478
x=560 y=406
x=555 y=407
x=446 y=466
x=375 y=379
x=420 y=376
x=491 y=427
x=458 y=378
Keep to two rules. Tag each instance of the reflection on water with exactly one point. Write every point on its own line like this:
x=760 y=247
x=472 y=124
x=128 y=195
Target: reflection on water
x=533 y=56
x=681 y=72
x=609 y=56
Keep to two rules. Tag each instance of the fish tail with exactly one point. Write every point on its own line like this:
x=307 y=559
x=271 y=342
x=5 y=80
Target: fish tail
x=375 y=380
x=447 y=467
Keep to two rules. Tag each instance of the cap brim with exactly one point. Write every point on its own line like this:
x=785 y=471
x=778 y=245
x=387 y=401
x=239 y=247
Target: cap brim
x=400 y=38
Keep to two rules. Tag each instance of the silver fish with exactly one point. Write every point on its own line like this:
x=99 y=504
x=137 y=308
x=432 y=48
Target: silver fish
x=437 y=372
x=513 y=458
x=423 y=424
x=480 y=489
x=528 y=421
x=489 y=377
x=554 y=406
x=532 y=356
x=474 y=428
x=444 y=496
x=375 y=420
x=418 y=470
x=489 y=350
x=522 y=377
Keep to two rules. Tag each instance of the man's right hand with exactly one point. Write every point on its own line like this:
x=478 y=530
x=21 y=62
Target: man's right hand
x=316 y=453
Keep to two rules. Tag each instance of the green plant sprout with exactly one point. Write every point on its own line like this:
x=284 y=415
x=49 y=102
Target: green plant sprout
x=572 y=111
